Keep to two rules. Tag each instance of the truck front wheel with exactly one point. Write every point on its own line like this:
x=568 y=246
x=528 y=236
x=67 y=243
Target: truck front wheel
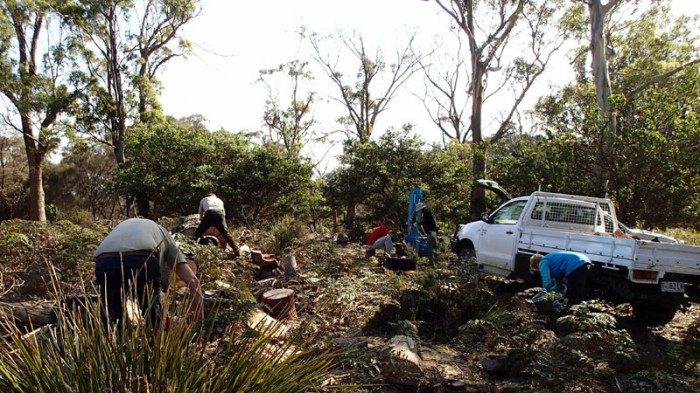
x=466 y=250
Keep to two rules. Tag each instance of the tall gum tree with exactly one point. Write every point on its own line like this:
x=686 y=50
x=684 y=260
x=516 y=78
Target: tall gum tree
x=493 y=31
x=289 y=121
x=33 y=78
x=599 y=16
x=376 y=84
x=124 y=44
x=599 y=68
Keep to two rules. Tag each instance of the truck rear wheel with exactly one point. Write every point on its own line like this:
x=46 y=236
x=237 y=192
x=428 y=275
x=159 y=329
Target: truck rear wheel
x=654 y=314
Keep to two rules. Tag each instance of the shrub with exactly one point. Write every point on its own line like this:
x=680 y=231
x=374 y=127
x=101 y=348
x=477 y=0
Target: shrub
x=286 y=234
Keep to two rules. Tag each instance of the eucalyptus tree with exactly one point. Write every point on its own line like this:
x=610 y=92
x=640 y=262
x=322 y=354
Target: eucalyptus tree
x=289 y=121
x=34 y=78
x=376 y=83
x=125 y=44
x=601 y=18
x=445 y=96
x=494 y=31
x=653 y=63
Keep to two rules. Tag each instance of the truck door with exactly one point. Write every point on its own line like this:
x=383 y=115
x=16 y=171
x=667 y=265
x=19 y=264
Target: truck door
x=498 y=237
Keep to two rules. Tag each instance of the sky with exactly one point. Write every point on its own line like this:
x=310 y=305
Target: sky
x=233 y=40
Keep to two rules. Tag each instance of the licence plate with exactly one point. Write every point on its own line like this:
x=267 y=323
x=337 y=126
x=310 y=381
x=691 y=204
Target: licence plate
x=672 y=286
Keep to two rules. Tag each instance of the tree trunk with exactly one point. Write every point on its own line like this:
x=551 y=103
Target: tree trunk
x=143 y=207
x=350 y=213
x=29 y=315
x=35 y=160
x=478 y=196
x=599 y=67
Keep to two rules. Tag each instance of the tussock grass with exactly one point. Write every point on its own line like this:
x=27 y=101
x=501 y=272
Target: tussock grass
x=81 y=354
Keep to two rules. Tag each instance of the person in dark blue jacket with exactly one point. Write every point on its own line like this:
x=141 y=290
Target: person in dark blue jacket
x=557 y=266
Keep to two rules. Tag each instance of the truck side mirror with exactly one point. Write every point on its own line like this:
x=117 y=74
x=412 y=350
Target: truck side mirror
x=485 y=217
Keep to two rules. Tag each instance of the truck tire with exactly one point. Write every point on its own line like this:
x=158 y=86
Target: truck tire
x=654 y=314
x=467 y=252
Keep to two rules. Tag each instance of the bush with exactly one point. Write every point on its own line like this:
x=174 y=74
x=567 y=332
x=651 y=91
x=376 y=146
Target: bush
x=78 y=216
x=286 y=234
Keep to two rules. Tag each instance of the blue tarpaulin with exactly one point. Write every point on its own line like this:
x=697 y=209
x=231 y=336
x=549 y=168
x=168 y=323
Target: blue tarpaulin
x=412 y=234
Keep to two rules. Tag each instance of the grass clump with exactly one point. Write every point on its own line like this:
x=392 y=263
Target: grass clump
x=80 y=354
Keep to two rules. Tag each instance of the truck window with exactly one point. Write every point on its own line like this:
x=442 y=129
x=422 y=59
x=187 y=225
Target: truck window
x=509 y=214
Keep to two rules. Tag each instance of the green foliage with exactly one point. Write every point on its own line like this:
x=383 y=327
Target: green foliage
x=52 y=212
x=77 y=216
x=166 y=162
x=35 y=247
x=177 y=166
x=264 y=184
x=13 y=177
x=447 y=302
x=290 y=123
x=82 y=181
x=120 y=64
x=654 y=381
x=380 y=176
x=591 y=342
x=652 y=170
x=286 y=234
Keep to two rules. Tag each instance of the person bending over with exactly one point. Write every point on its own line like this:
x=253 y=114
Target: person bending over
x=139 y=256
x=212 y=213
x=558 y=266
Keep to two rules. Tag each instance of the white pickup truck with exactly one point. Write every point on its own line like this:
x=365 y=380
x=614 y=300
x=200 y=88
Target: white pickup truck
x=652 y=276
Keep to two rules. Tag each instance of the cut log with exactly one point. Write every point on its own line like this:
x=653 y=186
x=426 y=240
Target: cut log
x=28 y=315
x=281 y=303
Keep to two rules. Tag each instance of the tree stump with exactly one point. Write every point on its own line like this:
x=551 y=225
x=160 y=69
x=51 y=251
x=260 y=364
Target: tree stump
x=281 y=303
x=290 y=266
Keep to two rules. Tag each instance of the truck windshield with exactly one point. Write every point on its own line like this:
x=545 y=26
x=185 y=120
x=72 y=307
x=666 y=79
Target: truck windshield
x=509 y=214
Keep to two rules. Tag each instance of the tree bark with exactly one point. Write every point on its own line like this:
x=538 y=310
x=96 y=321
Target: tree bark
x=478 y=196
x=599 y=68
x=29 y=315
x=35 y=159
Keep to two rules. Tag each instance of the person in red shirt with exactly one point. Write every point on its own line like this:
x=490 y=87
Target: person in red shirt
x=381 y=237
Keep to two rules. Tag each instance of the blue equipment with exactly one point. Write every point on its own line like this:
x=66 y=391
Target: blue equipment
x=412 y=236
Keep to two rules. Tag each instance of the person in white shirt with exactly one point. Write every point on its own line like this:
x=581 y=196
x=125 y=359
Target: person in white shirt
x=140 y=255
x=212 y=213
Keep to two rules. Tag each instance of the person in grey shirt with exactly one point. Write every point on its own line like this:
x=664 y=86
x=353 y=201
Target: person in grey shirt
x=138 y=255
x=212 y=213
